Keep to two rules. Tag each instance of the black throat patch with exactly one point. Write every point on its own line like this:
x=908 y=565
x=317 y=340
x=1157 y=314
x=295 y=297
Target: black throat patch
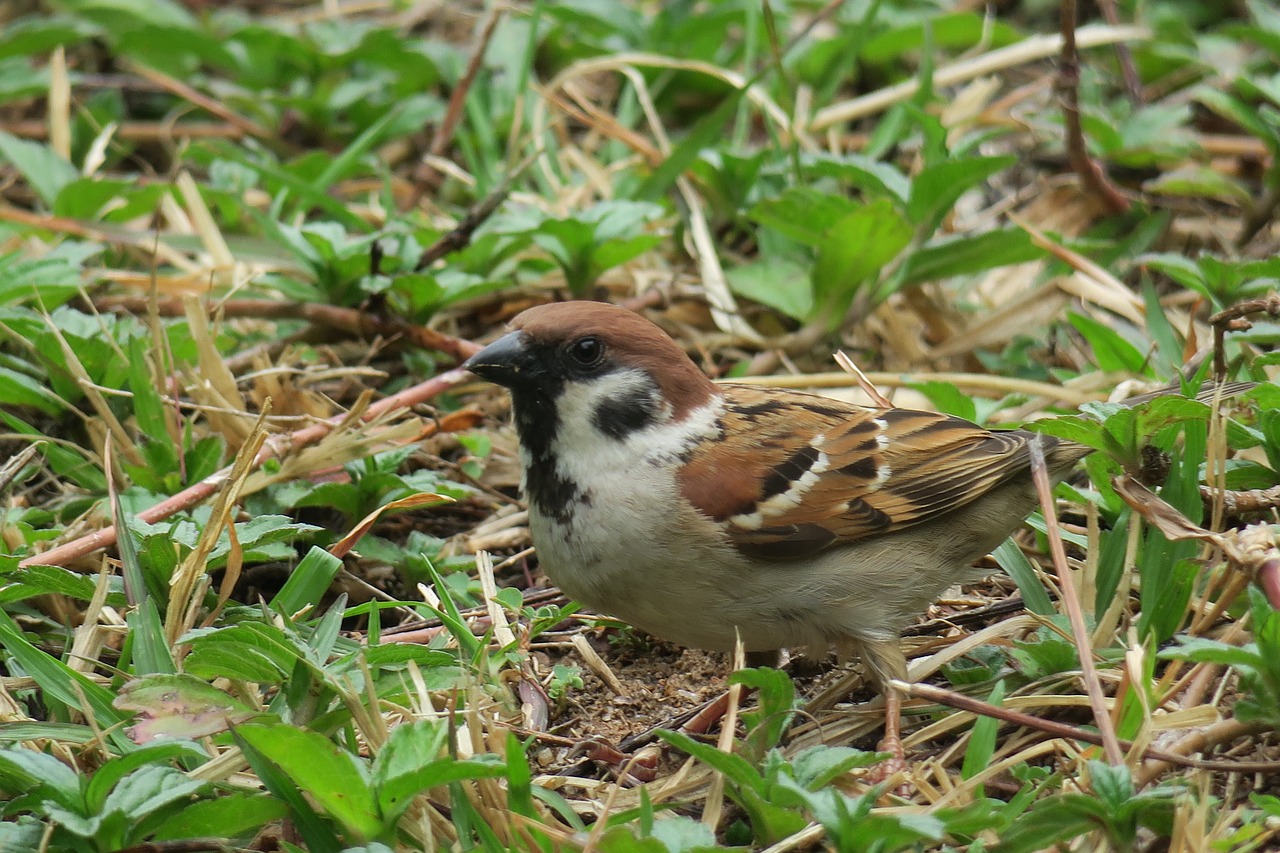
x=537 y=423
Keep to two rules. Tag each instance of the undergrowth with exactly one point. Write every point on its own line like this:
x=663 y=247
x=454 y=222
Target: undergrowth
x=265 y=581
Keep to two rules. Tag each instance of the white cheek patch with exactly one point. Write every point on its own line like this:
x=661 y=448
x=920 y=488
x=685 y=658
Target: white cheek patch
x=585 y=454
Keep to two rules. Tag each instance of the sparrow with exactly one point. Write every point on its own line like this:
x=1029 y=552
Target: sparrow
x=703 y=513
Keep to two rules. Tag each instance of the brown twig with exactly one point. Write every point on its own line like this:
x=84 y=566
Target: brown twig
x=1199 y=740
x=461 y=234
x=186 y=845
x=1242 y=501
x=1235 y=319
x=1071 y=603
x=1132 y=83
x=132 y=131
x=1091 y=174
x=209 y=105
x=1259 y=214
x=428 y=178
x=976 y=706
x=351 y=320
x=275 y=447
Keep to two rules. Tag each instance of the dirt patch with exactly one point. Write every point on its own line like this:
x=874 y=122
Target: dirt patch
x=660 y=682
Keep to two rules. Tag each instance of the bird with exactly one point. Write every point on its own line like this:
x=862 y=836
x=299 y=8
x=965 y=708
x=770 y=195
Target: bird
x=706 y=513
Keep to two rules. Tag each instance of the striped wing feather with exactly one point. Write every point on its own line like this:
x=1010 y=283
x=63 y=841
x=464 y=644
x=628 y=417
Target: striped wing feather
x=816 y=472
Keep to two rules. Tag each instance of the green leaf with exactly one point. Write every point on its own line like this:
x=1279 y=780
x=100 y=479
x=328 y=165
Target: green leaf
x=146 y=635
x=935 y=189
x=135 y=585
x=780 y=284
x=597 y=239
x=179 y=706
x=818 y=766
x=803 y=214
x=23 y=583
x=960 y=31
x=45 y=171
x=1243 y=114
x=64 y=684
x=1200 y=650
x=38 y=730
x=236 y=816
x=19 y=389
x=395 y=794
x=148 y=408
x=106 y=778
x=308 y=582
x=1049 y=654
x=48 y=281
x=315 y=831
x=707 y=131
x=1077 y=428
x=1199 y=182
x=1168 y=350
x=682 y=834
x=1111 y=352
x=409 y=746
x=147 y=790
x=948 y=399
x=340 y=167
x=734 y=767
x=249 y=651
x=117 y=15
x=40 y=34
x=777 y=705
x=968 y=254
x=25 y=771
x=1010 y=558
x=1154 y=415
x=855 y=248
x=982 y=740
x=23 y=834
x=519 y=779
x=1054 y=819
x=331 y=776
x=1112 y=785
x=860 y=171
x=307 y=194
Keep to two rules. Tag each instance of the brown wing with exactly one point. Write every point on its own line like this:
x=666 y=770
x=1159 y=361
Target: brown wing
x=815 y=472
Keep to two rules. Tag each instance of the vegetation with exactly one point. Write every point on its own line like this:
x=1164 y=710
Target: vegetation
x=243 y=488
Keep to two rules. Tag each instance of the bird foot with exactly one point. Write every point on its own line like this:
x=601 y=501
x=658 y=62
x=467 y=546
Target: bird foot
x=895 y=765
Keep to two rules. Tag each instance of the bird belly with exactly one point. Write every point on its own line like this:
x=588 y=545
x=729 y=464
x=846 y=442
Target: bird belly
x=673 y=575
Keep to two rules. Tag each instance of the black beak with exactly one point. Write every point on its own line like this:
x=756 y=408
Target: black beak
x=506 y=361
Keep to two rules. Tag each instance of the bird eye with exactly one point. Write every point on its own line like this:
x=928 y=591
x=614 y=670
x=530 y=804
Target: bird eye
x=587 y=352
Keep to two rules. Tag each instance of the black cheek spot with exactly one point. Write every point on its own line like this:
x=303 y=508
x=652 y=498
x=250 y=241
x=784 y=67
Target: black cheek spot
x=626 y=413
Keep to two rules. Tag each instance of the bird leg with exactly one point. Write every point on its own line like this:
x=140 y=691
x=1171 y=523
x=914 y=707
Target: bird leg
x=885 y=662
x=892 y=740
